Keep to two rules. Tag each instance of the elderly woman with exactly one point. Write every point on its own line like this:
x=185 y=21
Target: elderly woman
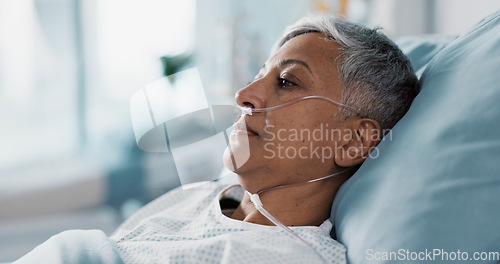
x=355 y=84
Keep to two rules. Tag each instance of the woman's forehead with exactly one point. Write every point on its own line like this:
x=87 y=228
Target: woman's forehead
x=315 y=49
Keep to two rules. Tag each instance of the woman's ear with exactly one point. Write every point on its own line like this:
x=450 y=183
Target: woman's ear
x=358 y=139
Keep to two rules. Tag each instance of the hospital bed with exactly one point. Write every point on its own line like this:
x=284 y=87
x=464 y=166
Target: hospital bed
x=434 y=183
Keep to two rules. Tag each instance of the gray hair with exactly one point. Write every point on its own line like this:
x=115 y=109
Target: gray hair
x=376 y=77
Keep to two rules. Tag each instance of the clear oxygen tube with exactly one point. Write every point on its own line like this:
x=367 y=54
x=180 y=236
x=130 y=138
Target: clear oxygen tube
x=249 y=111
x=255 y=198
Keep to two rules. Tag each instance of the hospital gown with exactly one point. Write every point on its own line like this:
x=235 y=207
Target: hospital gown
x=188 y=226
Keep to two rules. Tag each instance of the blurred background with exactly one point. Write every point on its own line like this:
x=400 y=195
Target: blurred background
x=68 y=69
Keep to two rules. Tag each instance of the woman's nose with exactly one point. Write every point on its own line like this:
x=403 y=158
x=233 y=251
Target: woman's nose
x=252 y=95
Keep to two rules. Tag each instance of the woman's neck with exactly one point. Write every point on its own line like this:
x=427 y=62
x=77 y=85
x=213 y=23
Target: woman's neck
x=302 y=205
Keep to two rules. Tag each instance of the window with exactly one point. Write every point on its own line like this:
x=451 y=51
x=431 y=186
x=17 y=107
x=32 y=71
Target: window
x=68 y=69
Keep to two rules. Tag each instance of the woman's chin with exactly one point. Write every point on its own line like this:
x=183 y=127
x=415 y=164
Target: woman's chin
x=228 y=160
x=236 y=154
x=237 y=162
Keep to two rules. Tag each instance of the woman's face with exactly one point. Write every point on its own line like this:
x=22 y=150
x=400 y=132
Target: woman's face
x=299 y=140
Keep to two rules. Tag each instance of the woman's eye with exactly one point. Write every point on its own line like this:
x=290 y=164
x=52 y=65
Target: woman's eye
x=284 y=83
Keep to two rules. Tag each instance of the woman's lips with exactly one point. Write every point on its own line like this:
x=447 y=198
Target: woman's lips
x=242 y=128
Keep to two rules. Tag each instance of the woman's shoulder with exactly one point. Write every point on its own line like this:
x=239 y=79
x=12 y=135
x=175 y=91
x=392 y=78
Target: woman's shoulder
x=183 y=199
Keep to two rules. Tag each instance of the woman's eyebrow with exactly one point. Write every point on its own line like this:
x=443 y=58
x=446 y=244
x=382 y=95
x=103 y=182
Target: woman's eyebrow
x=283 y=63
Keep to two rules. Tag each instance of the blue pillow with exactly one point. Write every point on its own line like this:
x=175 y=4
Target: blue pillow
x=420 y=50
x=435 y=184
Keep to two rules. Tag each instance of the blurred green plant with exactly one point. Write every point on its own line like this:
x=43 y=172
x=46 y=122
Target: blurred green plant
x=174 y=64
